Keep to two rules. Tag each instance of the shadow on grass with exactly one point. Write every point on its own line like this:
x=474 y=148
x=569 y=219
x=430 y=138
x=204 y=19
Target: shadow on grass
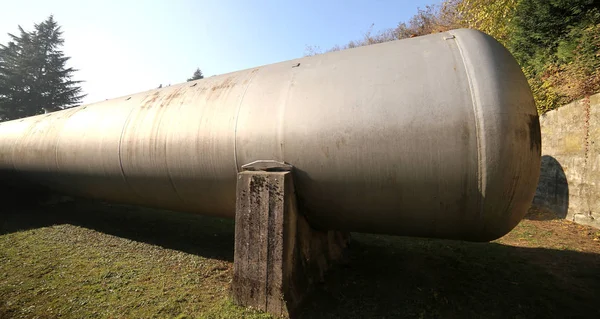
x=200 y=235
x=387 y=277
x=394 y=277
x=541 y=214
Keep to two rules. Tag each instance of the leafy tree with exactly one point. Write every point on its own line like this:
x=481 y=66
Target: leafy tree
x=557 y=44
x=493 y=17
x=197 y=75
x=34 y=78
x=432 y=19
x=541 y=25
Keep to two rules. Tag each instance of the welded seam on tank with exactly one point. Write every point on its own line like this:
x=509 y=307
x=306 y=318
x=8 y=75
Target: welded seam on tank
x=166 y=156
x=237 y=116
x=479 y=126
x=60 y=135
x=125 y=125
x=18 y=141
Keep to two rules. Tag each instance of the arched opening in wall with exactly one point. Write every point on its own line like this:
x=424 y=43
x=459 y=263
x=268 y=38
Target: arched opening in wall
x=552 y=193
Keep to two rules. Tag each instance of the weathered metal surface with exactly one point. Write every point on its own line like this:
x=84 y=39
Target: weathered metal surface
x=432 y=136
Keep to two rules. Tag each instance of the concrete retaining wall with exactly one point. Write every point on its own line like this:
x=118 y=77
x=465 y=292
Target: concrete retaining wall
x=570 y=169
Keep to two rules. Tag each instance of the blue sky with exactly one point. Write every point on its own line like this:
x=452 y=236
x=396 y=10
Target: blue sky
x=123 y=47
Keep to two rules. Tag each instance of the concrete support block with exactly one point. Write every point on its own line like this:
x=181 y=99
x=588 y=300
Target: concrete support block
x=278 y=256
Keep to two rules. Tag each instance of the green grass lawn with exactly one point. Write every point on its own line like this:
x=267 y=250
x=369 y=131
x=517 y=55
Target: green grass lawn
x=93 y=260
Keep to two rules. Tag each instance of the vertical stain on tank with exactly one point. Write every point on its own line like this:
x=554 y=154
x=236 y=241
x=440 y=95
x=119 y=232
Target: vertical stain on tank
x=340 y=142
x=325 y=150
x=465 y=134
x=220 y=88
x=149 y=100
x=171 y=96
x=463 y=201
x=535 y=135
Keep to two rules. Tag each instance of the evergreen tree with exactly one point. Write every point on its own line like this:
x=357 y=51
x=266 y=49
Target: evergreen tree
x=34 y=78
x=197 y=75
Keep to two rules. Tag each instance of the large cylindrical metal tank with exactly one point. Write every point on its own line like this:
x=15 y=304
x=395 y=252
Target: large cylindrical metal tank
x=434 y=136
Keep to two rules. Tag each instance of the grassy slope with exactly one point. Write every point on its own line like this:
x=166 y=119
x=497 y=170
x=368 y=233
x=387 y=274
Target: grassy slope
x=88 y=260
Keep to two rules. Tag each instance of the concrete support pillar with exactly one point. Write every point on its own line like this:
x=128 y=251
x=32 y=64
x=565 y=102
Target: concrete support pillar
x=278 y=256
